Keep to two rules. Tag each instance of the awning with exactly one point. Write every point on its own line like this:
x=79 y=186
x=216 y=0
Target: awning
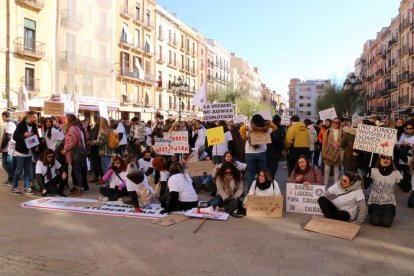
x=96 y=108
x=88 y=103
x=127 y=33
x=405 y=110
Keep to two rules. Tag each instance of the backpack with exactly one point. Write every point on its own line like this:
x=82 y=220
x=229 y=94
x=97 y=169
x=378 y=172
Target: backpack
x=113 y=140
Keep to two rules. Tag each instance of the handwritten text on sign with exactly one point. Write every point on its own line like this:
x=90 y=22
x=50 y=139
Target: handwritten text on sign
x=54 y=108
x=264 y=206
x=218 y=111
x=329 y=113
x=178 y=143
x=303 y=199
x=215 y=135
x=200 y=167
x=258 y=138
x=375 y=139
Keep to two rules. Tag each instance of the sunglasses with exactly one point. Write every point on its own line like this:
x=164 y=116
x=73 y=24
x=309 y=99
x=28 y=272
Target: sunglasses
x=409 y=128
x=386 y=157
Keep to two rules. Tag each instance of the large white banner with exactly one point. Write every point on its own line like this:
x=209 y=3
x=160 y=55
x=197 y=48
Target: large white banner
x=218 y=111
x=303 y=199
x=329 y=113
x=375 y=139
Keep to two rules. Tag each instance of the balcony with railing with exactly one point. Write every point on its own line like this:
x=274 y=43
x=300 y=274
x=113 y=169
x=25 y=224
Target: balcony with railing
x=36 y=5
x=403 y=77
x=29 y=48
x=411 y=77
x=125 y=13
x=405 y=23
x=72 y=19
x=210 y=78
x=172 y=43
x=394 y=105
x=137 y=20
x=149 y=26
x=147 y=50
x=405 y=49
x=103 y=32
x=389 y=86
x=392 y=42
x=379 y=73
x=403 y=100
x=124 y=43
x=161 y=59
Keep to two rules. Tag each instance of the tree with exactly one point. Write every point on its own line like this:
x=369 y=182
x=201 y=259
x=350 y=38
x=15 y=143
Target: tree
x=334 y=98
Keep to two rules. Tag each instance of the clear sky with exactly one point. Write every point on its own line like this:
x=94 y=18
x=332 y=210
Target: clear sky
x=307 y=39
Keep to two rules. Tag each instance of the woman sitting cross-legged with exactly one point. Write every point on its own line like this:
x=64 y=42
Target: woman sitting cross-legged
x=51 y=179
x=381 y=202
x=345 y=199
x=115 y=180
x=139 y=192
x=264 y=185
x=182 y=195
x=229 y=188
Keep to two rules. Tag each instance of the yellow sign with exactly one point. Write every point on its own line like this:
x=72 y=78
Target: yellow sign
x=215 y=135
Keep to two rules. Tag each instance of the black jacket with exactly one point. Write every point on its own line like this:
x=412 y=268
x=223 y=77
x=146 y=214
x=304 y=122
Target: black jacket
x=18 y=136
x=274 y=149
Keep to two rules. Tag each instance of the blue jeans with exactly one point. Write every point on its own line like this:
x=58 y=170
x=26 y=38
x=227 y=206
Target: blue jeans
x=22 y=164
x=6 y=161
x=106 y=163
x=216 y=201
x=255 y=163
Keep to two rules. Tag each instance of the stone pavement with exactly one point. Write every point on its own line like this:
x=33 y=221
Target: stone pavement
x=40 y=242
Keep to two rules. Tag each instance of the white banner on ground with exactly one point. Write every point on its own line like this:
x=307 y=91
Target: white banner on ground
x=329 y=113
x=218 y=111
x=207 y=213
x=375 y=139
x=303 y=199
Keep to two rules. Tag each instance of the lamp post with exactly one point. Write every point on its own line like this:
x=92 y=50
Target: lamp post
x=352 y=87
x=180 y=87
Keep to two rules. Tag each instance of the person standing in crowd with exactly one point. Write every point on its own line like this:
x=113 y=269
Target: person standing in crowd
x=313 y=137
x=345 y=200
x=198 y=135
x=219 y=149
x=25 y=129
x=6 y=158
x=74 y=138
x=296 y=141
x=94 y=157
x=332 y=138
x=381 y=201
x=405 y=145
x=305 y=173
x=51 y=135
x=105 y=152
x=137 y=133
x=148 y=134
x=399 y=125
x=318 y=146
x=275 y=148
x=255 y=153
x=120 y=129
x=239 y=144
x=350 y=161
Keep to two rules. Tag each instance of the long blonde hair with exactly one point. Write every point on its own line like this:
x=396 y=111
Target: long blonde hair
x=104 y=126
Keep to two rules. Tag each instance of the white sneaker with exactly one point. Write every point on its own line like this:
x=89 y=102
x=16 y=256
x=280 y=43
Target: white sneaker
x=29 y=191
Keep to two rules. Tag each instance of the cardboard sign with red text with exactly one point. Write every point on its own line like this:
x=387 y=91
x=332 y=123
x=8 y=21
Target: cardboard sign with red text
x=215 y=135
x=264 y=206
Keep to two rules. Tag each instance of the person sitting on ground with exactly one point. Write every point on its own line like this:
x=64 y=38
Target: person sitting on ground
x=305 y=173
x=263 y=185
x=381 y=201
x=51 y=179
x=229 y=187
x=228 y=157
x=145 y=164
x=344 y=200
x=159 y=165
x=140 y=194
x=182 y=195
x=115 y=180
x=411 y=197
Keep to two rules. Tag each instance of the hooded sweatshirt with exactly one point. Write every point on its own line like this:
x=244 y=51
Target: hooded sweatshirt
x=298 y=136
x=348 y=199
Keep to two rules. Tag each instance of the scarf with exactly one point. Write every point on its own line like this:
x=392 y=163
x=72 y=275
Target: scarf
x=229 y=186
x=263 y=186
x=385 y=171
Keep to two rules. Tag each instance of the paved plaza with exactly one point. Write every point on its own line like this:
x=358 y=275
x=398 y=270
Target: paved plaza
x=40 y=242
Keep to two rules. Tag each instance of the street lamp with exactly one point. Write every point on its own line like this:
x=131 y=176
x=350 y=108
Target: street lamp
x=180 y=87
x=352 y=87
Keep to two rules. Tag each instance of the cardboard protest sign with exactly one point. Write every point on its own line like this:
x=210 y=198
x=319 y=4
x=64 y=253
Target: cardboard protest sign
x=303 y=199
x=200 y=167
x=265 y=114
x=170 y=220
x=335 y=228
x=162 y=146
x=285 y=120
x=239 y=119
x=31 y=141
x=258 y=138
x=218 y=111
x=17 y=114
x=375 y=139
x=180 y=142
x=207 y=213
x=329 y=113
x=54 y=108
x=332 y=151
x=264 y=206
x=215 y=135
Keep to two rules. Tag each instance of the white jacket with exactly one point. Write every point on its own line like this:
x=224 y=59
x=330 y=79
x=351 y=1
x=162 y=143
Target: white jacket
x=313 y=137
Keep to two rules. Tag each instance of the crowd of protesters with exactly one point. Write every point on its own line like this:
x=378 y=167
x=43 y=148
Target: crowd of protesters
x=48 y=152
